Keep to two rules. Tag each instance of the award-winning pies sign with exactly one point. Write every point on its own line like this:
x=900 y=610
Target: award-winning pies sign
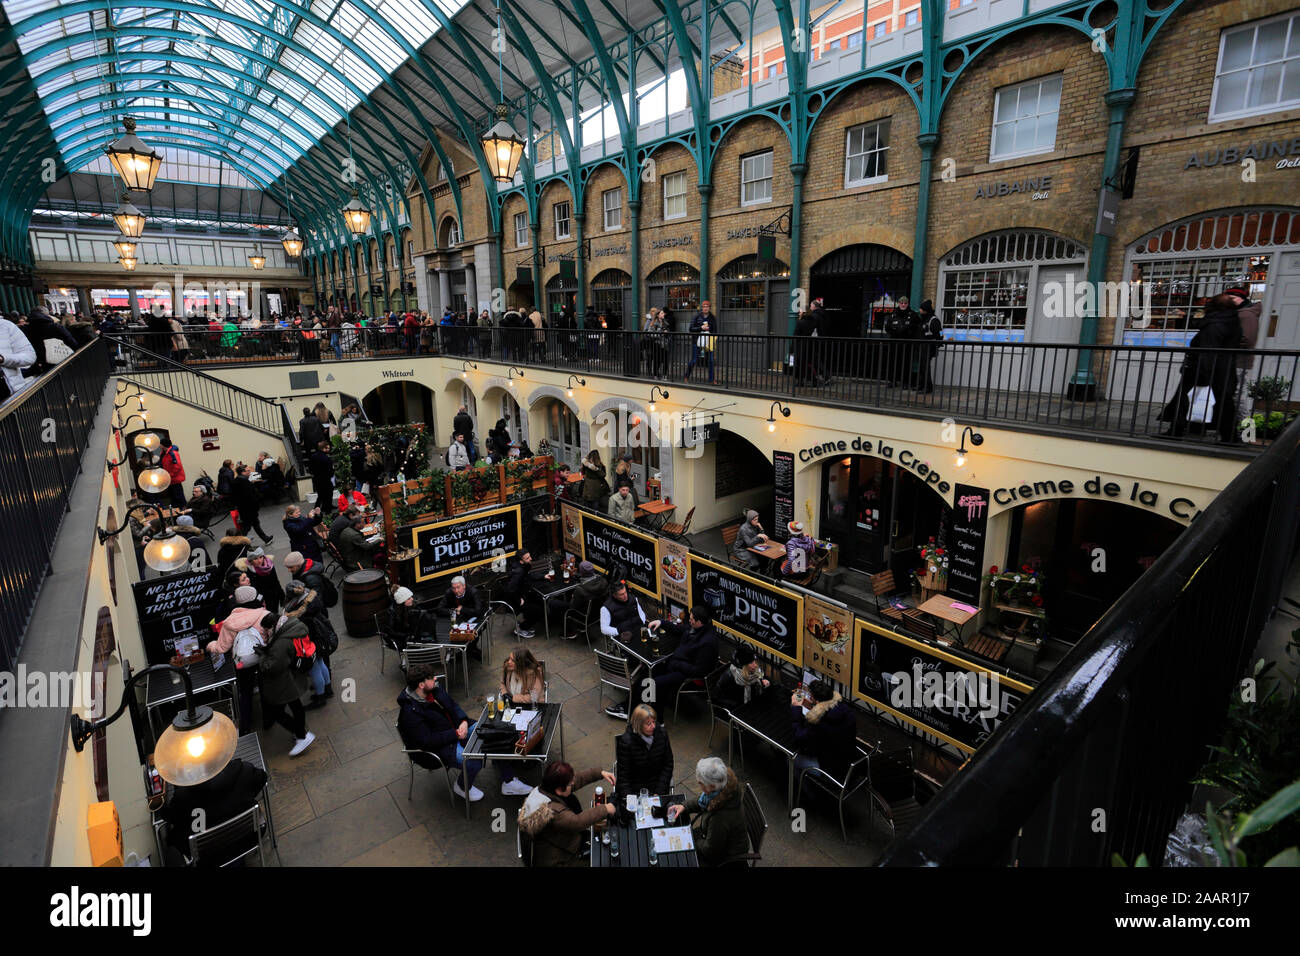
x=751 y=609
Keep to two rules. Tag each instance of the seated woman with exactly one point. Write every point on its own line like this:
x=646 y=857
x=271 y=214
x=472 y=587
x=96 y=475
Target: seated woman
x=348 y=495
x=553 y=819
x=796 y=564
x=716 y=817
x=644 y=758
x=522 y=679
x=408 y=624
x=742 y=682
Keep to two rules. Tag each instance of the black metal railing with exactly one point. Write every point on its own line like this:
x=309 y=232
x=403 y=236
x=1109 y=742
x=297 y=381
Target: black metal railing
x=1123 y=390
x=43 y=433
x=186 y=384
x=1099 y=759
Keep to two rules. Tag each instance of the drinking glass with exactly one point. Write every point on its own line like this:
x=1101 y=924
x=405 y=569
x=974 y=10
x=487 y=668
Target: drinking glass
x=654 y=854
x=491 y=705
x=613 y=846
x=501 y=705
x=644 y=801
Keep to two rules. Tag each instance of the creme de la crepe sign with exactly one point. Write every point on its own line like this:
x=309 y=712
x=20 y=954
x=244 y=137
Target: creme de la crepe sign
x=1097 y=486
x=905 y=457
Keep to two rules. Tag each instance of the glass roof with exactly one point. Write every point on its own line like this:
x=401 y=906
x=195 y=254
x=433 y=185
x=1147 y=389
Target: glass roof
x=240 y=73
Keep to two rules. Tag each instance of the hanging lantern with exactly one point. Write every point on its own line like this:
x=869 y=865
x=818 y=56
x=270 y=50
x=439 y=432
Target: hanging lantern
x=257 y=262
x=292 y=243
x=135 y=162
x=128 y=263
x=503 y=147
x=357 y=216
x=130 y=221
x=124 y=245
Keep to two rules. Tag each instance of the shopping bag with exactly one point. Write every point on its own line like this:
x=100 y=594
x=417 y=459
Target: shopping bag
x=1200 y=404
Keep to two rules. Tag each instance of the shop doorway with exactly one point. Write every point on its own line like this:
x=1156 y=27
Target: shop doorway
x=675 y=286
x=562 y=432
x=860 y=285
x=399 y=403
x=560 y=292
x=611 y=294
x=1089 y=553
x=754 y=299
x=879 y=514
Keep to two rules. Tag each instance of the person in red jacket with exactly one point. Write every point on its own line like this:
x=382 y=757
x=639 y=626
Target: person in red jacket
x=169 y=459
x=411 y=326
x=350 y=496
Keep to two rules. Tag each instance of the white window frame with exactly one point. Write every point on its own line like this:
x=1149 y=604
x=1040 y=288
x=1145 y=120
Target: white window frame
x=521 y=229
x=879 y=29
x=453 y=237
x=771 y=71
x=674 y=178
x=884 y=150
x=612 y=209
x=1290 y=22
x=566 y=219
x=1016 y=88
x=912 y=17
x=745 y=182
x=852 y=40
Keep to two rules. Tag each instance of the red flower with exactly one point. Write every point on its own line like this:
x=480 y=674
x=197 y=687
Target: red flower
x=1037 y=600
x=993 y=570
x=932 y=539
x=941 y=551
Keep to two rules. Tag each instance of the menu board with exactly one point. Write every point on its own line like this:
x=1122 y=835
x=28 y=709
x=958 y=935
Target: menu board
x=608 y=543
x=783 y=488
x=458 y=544
x=828 y=639
x=174 y=607
x=932 y=690
x=672 y=571
x=751 y=609
x=572 y=536
x=970 y=519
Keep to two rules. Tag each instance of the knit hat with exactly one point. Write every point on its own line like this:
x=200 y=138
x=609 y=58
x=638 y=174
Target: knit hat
x=257 y=553
x=586 y=567
x=185 y=521
x=294 y=560
x=402 y=595
x=295 y=587
x=750 y=514
x=927 y=306
x=795 y=527
x=246 y=595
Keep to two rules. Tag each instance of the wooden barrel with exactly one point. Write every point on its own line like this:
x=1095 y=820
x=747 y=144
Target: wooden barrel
x=365 y=594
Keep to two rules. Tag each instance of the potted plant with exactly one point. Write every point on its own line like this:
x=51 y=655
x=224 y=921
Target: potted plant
x=1268 y=389
x=934 y=561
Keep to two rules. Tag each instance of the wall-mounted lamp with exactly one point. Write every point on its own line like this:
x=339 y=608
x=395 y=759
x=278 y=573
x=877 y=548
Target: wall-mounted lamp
x=195 y=748
x=583 y=383
x=165 y=551
x=771 y=415
x=514 y=374
x=465 y=367
x=976 y=439
x=662 y=391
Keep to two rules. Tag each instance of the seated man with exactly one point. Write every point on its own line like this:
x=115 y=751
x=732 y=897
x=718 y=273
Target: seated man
x=622 y=506
x=272 y=477
x=341 y=522
x=517 y=591
x=357 y=551
x=623 y=615
x=206 y=805
x=202 y=507
x=695 y=657
x=826 y=736
x=428 y=719
x=749 y=536
x=463 y=604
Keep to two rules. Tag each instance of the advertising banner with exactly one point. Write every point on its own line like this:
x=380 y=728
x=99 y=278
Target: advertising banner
x=608 y=543
x=828 y=639
x=458 y=544
x=749 y=608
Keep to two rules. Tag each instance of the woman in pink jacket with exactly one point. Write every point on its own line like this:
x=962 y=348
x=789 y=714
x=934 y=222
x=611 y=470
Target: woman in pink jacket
x=248 y=614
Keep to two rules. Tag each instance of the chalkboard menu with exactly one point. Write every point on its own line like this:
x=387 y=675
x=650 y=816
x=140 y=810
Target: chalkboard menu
x=174 y=607
x=936 y=692
x=466 y=542
x=970 y=520
x=783 y=488
x=608 y=543
x=751 y=609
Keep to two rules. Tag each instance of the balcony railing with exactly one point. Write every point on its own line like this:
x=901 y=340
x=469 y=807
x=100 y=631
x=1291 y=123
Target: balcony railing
x=1132 y=391
x=43 y=431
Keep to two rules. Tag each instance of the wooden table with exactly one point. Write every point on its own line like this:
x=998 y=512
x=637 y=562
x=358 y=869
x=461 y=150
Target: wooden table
x=656 y=509
x=941 y=606
x=774 y=553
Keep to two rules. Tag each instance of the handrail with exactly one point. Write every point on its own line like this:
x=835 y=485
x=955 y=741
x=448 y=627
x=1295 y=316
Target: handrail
x=1249 y=533
x=181 y=367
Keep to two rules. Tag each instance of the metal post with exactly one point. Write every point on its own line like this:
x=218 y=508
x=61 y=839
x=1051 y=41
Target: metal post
x=706 y=191
x=797 y=171
x=579 y=222
x=635 y=319
x=927 y=142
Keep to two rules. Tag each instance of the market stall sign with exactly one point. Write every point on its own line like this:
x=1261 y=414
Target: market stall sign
x=765 y=615
x=459 y=544
x=606 y=543
x=936 y=692
x=174 y=607
x=970 y=519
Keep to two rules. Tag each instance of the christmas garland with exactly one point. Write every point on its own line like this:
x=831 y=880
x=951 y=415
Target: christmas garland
x=473 y=485
x=387 y=441
x=427 y=499
x=523 y=473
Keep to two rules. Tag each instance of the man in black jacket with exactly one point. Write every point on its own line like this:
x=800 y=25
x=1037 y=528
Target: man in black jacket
x=1207 y=365
x=462 y=424
x=40 y=327
x=467 y=604
x=695 y=658
x=244 y=498
x=826 y=736
x=310 y=431
x=520 y=576
x=428 y=719
x=930 y=331
x=901 y=327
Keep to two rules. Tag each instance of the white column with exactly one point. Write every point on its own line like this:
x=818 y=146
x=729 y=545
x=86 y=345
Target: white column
x=444 y=290
x=422 y=284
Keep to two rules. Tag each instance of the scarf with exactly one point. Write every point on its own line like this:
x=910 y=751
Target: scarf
x=707 y=798
x=746 y=681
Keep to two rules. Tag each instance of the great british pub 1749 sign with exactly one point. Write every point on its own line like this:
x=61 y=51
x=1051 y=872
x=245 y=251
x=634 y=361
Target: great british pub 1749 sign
x=465 y=542
x=764 y=615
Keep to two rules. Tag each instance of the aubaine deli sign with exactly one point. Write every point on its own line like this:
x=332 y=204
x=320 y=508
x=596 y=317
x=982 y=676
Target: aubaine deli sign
x=1286 y=152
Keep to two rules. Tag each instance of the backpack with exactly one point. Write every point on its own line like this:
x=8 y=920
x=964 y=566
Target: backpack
x=329 y=592
x=245 y=647
x=304 y=654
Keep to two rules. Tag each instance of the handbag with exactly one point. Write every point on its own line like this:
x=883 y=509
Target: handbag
x=247 y=642
x=1201 y=403
x=56 y=350
x=497 y=733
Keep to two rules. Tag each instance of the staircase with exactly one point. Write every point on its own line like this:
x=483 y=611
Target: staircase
x=189 y=386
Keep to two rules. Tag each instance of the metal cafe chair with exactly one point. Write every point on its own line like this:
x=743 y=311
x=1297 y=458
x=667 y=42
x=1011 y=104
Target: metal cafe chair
x=228 y=842
x=585 y=618
x=523 y=848
x=429 y=654
x=857 y=777
x=614 y=672
x=697 y=687
x=755 y=827
x=386 y=642
x=892 y=785
x=437 y=765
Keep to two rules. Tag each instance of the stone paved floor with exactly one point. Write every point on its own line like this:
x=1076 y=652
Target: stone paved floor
x=344 y=801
